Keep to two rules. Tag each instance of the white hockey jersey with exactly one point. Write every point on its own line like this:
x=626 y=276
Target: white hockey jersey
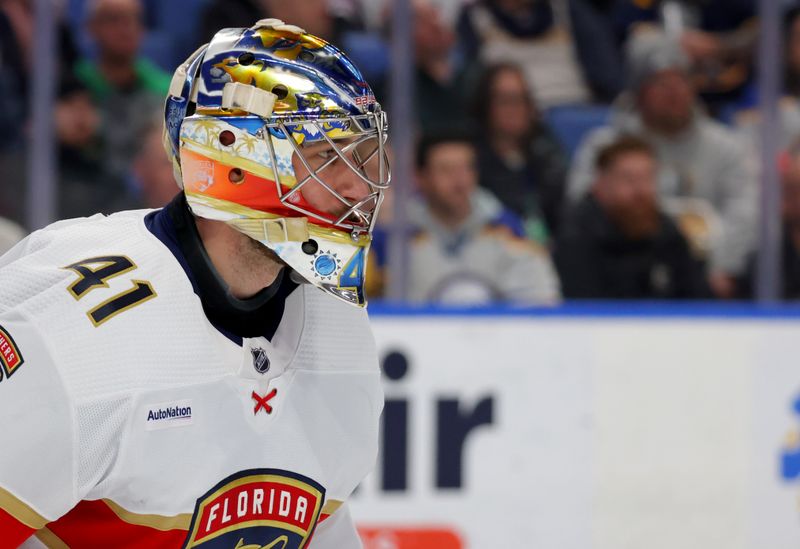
x=129 y=420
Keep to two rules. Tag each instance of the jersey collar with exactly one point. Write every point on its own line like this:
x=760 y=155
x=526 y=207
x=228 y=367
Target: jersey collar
x=258 y=316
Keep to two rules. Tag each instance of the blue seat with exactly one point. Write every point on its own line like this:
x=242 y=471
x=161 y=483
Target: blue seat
x=572 y=122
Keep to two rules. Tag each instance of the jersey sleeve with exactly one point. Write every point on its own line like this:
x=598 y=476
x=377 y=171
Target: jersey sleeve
x=36 y=434
x=337 y=531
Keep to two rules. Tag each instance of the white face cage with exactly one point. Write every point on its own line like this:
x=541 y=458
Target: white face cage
x=362 y=149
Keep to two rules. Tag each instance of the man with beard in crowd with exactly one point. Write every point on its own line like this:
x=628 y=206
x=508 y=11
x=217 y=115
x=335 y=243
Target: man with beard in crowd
x=699 y=159
x=617 y=243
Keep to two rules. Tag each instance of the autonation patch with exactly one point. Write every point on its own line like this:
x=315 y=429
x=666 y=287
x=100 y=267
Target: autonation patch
x=169 y=414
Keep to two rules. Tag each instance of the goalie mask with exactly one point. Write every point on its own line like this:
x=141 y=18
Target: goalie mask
x=261 y=125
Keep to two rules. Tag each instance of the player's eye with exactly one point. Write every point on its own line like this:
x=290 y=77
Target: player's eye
x=326 y=154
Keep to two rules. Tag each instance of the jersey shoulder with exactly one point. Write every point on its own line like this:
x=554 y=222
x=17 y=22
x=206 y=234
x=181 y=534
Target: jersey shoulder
x=37 y=265
x=111 y=303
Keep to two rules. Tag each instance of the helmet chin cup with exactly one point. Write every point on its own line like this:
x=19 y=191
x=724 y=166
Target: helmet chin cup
x=334 y=263
x=337 y=267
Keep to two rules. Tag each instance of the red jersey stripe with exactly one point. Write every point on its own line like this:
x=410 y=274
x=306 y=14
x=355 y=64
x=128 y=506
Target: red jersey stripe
x=13 y=531
x=94 y=525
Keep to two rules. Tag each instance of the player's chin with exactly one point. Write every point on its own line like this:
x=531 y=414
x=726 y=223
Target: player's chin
x=264 y=251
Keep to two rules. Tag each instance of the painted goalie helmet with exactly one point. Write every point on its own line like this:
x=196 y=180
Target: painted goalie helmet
x=254 y=119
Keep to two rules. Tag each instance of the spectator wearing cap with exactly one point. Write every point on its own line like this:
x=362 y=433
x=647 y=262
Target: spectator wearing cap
x=617 y=243
x=519 y=158
x=468 y=249
x=698 y=158
x=122 y=86
x=719 y=38
x=567 y=52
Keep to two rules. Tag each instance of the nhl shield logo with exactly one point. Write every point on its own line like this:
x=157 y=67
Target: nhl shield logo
x=264 y=508
x=260 y=360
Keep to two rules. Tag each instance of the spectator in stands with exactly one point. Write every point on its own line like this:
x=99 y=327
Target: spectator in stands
x=746 y=114
x=698 y=157
x=229 y=14
x=719 y=38
x=319 y=17
x=617 y=243
x=80 y=163
x=122 y=85
x=569 y=56
x=519 y=159
x=16 y=64
x=16 y=60
x=443 y=83
x=153 y=170
x=468 y=248
x=10 y=234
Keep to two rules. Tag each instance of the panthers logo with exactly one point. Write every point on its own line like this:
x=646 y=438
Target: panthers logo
x=10 y=357
x=257 y=509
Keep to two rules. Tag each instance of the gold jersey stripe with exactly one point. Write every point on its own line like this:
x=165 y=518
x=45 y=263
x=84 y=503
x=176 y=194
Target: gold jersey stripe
x=331 y=507
x=21 y=511
x=157 y=522
x=50 y=540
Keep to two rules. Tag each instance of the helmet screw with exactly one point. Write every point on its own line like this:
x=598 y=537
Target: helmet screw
x=280 y=91
x=236 y=176
x=246 y=58
x=227 y=138
x=310 y=247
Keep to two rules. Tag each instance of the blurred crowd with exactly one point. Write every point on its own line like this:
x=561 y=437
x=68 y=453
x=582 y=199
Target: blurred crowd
x=597 y=149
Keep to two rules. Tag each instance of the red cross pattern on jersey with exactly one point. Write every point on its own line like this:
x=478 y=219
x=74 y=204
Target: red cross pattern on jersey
x=263 y=402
